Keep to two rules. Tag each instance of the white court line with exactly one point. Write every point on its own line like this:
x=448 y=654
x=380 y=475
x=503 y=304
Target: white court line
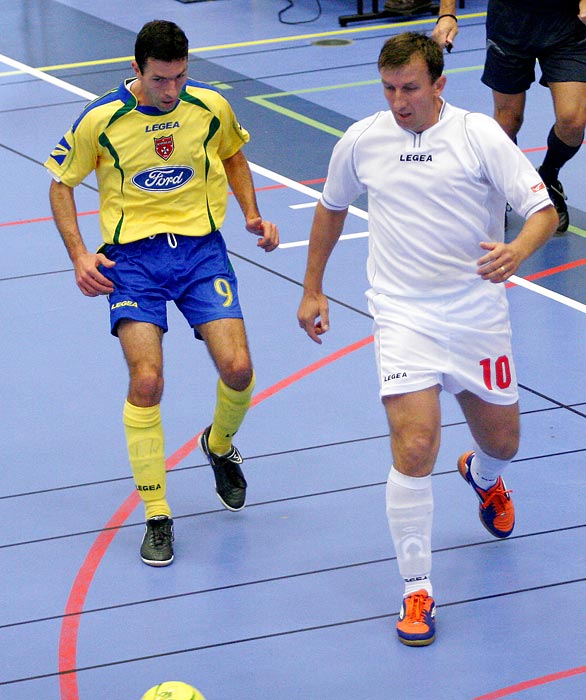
x=531 y=286
x=291 y=184
x=298 y=187
x=344 y=237
x=307 y=205
x=47 y=78
x=519 y=281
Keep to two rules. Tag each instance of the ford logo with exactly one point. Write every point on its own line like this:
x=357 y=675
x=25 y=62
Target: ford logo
x=163 y=179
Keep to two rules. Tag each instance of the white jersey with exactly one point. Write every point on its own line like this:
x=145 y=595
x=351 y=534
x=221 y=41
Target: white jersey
x=432 y=197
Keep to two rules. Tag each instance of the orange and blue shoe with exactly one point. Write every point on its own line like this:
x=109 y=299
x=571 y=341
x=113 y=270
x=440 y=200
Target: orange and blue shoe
x=496 y=510
x=416 y=623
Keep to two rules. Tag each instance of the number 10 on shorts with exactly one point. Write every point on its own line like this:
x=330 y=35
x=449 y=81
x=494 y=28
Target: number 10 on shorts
x=498 y=372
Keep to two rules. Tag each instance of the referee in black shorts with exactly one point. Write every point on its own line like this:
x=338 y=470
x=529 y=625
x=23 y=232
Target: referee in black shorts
x=519 y=34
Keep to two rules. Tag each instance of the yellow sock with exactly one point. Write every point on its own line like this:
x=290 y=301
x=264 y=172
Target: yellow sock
x=231 y=407
x=146 y=451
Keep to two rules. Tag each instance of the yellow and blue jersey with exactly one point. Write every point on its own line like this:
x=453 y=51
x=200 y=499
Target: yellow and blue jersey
x=157 y=171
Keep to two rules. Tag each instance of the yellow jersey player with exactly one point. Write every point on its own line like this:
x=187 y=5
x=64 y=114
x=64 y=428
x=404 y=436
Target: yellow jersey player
x=165 y=149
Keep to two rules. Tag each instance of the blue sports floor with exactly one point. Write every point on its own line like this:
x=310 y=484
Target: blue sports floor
x=297 y=595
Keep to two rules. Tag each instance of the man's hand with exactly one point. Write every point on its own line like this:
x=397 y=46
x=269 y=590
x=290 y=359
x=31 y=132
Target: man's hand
x=88 y=277
x=445 y=32
x=499 y=263
x=313 y=315
x=268 y=233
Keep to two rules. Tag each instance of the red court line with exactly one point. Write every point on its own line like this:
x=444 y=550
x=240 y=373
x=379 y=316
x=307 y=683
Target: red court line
x=555 y=270
x=77 y=596
x=42 y=219
x=537 y=148
x=550 y=271
x=83 y=580
x=282 y=187
x=525 y=685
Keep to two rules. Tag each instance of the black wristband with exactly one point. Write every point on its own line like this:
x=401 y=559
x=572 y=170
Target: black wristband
x=452 y=16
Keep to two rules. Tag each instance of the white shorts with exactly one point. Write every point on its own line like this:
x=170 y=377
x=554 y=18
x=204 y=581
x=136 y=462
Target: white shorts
x=459 y=342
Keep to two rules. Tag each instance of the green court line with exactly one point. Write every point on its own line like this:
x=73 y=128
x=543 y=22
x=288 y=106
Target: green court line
x=576 y=230
x=266 y=100
x=295 y=115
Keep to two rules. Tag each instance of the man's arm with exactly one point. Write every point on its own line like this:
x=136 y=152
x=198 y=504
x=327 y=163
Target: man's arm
x=446 y=27
x=503 y=259
x=313 y=314
x=242 y=186
x=89 y=279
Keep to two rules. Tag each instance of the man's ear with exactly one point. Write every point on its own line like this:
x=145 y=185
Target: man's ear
x=440 y=84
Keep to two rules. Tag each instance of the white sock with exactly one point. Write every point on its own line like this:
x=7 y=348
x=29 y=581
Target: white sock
x=417 y=584
x=485 y=470
x=409 y=503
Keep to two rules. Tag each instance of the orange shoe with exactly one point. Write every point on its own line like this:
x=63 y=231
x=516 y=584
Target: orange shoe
x=416 y=623
x=496 y=511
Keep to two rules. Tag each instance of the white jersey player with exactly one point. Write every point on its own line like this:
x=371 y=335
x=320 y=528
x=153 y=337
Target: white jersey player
x=438 y=179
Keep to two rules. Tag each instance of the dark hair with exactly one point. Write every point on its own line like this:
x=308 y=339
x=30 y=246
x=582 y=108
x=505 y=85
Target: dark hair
x=161 y=40
x=398 y=51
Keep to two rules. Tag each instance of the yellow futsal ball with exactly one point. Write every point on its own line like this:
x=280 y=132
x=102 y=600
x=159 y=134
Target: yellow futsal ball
x=173 y=690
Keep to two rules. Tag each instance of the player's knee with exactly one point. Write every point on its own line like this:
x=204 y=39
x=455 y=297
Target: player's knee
x=237 y=374
x=570 y=128
x=416 y=453
x=510 y=121
x=146 y=386
x=504 y=447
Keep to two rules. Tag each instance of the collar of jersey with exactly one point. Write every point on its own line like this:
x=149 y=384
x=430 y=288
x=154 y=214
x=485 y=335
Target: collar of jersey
x=128 y=95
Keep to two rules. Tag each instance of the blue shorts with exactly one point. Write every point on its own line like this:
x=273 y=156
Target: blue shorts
x=517 y=38
x=192 y=271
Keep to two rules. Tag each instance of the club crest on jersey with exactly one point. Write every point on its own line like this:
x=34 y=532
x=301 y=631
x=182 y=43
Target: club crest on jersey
x=164 y=146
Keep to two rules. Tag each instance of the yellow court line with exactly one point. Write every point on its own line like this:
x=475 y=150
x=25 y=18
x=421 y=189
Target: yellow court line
x=246 y=44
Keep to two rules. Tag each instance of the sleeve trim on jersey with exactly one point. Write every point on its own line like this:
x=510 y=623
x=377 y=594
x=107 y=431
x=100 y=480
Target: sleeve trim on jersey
x=127 y=107
x=204 y=86
x=330 y=206
x=194 y=100
x=111 y=96
x=538 y=207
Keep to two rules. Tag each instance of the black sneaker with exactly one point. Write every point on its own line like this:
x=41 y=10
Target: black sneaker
x=157 y=544
x=558 y=197
x=230 y=481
